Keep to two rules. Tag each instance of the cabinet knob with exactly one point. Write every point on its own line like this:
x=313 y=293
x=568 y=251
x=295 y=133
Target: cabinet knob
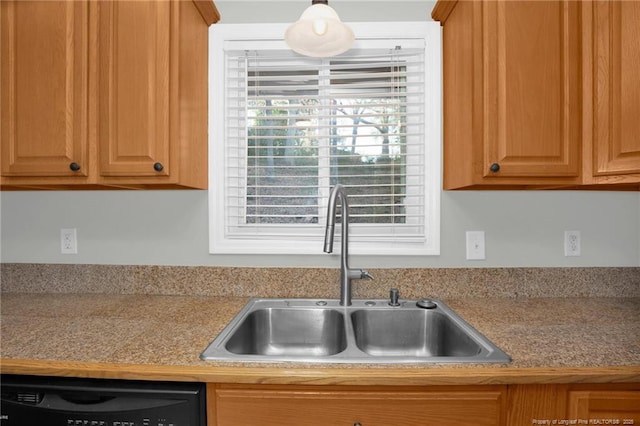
x=495 y=167
x=357 y=424
x=74 y=167
x=158 y=167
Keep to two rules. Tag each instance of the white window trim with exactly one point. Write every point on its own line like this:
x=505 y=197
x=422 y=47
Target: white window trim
x=306 y=243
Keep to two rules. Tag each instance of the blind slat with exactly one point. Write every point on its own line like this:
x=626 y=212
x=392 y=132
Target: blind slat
x=328 y=111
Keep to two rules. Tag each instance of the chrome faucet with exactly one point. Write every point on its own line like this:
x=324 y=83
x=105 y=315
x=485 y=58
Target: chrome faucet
x=346 y=274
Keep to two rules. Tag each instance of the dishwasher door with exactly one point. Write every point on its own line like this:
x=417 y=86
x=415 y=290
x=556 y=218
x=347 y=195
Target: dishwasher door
x=54 y=401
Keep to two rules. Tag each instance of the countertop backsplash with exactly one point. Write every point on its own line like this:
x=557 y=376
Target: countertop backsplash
x=319 y=282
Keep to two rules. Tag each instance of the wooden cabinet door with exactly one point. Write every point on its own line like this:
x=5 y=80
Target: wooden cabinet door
x=616 y=85
x=532 y=86
x=375 y=407
x=44 y=67
x=530 y=401
x=605 y=405
x=134 y=72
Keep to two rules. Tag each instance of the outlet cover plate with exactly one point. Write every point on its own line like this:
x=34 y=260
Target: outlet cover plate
x=572 y=243
x=68 y=241
x=475 y=245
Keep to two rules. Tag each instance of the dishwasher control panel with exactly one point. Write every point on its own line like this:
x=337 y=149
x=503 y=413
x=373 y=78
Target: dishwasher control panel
x=143 y=422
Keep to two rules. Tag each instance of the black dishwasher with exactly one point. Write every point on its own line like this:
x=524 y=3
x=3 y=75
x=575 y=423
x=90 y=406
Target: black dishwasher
x=56 y=401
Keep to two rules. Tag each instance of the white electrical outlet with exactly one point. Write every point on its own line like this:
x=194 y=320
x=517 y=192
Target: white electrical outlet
x=68 y=241
x=572 y=243
x=475 y=245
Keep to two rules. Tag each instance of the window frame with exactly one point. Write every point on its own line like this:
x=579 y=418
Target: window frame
x=306 y=242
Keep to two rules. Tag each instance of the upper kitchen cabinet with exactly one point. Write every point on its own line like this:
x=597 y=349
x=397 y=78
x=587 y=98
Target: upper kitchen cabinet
x=511 y=93
x=44 y=99
x=612 y=92
x=541 y=94
x=105 y=94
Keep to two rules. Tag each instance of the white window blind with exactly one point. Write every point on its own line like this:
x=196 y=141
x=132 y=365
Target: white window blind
x=295 y=126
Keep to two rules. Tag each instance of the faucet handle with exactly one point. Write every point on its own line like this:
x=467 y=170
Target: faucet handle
x=364 y=274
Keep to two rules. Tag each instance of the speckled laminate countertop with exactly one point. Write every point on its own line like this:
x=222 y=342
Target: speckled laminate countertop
x=152 y=336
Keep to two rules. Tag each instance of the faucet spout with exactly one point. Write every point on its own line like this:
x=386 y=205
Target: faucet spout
x=346 y=274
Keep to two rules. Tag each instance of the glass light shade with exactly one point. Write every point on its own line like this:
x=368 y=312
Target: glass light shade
x=319 y=33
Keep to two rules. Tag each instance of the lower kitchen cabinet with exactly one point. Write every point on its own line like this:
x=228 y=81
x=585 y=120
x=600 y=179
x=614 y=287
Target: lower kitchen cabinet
x=267 y=405
x=574 y=404
x=618 y=405
x=478 y=405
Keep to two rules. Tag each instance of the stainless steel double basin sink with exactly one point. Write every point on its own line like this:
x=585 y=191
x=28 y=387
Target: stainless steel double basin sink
x=368 y=331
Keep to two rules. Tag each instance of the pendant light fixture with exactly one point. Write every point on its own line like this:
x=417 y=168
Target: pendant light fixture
x=319 y=32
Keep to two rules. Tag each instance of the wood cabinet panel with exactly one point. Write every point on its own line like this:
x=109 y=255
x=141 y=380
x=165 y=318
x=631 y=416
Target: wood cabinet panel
x=535 y=402
x=587 y=404
x=365 y=406
x=616 y=86
x=531 y=84
x=512 y=93
x=134 y=46
x=44 y=88
x=604 y=405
